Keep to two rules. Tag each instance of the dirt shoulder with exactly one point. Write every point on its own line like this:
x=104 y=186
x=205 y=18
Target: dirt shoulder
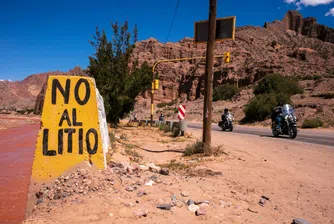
x=297 y=179
x=12 y=121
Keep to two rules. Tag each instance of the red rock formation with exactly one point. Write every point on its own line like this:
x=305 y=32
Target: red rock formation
x=309 y=26
x=23 y=94
x=254 y=53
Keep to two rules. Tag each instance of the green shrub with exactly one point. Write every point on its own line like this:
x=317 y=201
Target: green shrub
x=275 y=83
x=260 y=107
x=171 y=103
x=160 y=105
x=312 y=123
x=316 y=77
x=224 y=92
x=268 y=92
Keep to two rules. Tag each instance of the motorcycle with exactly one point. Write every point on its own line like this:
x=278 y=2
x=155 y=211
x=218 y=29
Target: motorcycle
x=288 y=123
x=227 y=124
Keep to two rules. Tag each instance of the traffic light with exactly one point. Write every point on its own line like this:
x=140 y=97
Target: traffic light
x=227 y=57
x=156 y=84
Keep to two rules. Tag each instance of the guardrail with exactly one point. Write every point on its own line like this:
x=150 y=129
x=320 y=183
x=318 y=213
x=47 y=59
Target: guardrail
x=157 y=123
x=173 y=125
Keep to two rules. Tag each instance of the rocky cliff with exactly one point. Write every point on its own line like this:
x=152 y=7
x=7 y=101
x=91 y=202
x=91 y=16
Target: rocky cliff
x=309 y=27
x=293 y=47
x=255 y=53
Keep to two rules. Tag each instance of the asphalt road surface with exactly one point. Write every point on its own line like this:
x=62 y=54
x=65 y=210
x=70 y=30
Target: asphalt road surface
x=307 y=136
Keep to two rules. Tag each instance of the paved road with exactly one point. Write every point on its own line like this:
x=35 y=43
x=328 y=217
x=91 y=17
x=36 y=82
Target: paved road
x=308 y=136
x=17 y=146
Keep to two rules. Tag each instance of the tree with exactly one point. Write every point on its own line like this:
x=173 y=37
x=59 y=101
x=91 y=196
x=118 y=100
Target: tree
x=118 y=77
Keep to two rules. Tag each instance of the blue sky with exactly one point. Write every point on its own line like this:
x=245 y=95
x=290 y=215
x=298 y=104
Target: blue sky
x=39 y=36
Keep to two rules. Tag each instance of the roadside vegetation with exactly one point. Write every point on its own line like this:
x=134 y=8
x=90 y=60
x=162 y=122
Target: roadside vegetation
x=118 y=83
x=224 y=92
x=312 y=123
x=269 y=92
x=199 y=148
x=171 y=103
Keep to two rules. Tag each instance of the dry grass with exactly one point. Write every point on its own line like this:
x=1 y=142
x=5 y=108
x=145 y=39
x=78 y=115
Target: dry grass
x=203 y=173
x=219 y=150
x=177 y=166
x=201 y=149
x=196 y=148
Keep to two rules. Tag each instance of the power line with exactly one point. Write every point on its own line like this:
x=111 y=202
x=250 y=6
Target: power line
x=171 y=25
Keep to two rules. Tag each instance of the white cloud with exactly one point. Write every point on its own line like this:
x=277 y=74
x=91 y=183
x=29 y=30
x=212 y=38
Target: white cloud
x=300 y=3
x=290 y=1
x=315 y=2
x=330 y=12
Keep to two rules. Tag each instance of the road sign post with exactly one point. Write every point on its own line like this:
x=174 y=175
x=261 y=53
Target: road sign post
x=210 y=31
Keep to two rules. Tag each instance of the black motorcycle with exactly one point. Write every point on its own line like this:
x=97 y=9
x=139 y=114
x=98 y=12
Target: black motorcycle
x=227 y=124
x=288 y=124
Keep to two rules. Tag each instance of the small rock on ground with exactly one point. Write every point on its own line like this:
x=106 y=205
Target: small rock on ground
x=190 y=202
x=300 y=221
x=200 y=211
x=39 y=201
x=140 y=213
x=150 y=183
x=164 y=171
x=262 y=201
x=141 y=193
x=164 y=206
x=129 y=188
x=193 y=208
x=185 y=194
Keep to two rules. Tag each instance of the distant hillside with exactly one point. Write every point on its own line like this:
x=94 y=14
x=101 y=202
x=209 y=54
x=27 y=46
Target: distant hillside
x=23 y=94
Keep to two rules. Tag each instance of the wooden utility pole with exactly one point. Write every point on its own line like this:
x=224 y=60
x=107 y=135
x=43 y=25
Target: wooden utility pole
x=207 y=113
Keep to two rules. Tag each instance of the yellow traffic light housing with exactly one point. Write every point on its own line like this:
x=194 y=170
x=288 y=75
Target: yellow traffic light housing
x=227 y=57
x=156 y=84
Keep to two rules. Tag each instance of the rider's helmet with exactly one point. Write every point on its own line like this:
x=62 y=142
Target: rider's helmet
x=225 y=111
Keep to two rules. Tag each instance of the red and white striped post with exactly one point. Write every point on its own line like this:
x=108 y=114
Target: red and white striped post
x=181 y=116
x=182 y=112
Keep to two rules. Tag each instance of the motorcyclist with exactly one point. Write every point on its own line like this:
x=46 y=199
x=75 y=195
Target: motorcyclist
x=276 y=115
x=161 y=117
x=225 y=114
